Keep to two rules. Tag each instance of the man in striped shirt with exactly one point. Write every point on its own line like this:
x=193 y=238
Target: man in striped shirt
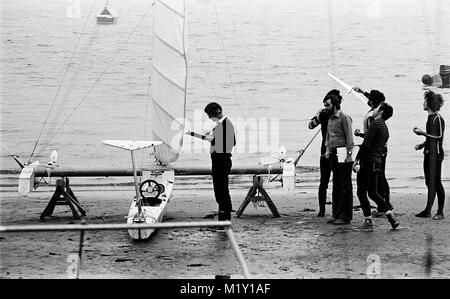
x=375 y=99
x=369 y=160
x=340 y=134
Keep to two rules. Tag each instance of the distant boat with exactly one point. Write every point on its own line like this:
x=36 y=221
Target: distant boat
x=107 y=16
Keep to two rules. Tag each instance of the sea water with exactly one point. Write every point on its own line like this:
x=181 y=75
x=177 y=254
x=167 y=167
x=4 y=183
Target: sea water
x=264 y=61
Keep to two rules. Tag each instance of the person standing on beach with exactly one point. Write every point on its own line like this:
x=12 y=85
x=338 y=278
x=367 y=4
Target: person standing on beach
x=222 y=140
x=375 y=99
x=433 y=154
x=321 y=118
x=339 y=134
x=369 y=159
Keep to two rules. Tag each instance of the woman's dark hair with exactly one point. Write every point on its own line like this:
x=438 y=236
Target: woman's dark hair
x=213 y=109
x=376 y=97
x=387 y=109
x=434 y=101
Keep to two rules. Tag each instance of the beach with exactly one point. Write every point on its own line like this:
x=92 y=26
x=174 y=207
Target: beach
x=296 y=245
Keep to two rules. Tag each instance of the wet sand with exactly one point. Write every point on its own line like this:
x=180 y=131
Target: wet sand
x=295 y=245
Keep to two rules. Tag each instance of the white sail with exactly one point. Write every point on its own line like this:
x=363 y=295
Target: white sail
x=169 y=78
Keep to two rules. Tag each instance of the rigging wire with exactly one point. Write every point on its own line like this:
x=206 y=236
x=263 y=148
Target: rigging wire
x=226 y=59
x=61 y=82
x=96 y=81
x=202 y=62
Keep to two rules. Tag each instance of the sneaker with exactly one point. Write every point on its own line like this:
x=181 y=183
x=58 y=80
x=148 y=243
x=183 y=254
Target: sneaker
x=438 y=217
x=366 y=226
x=423 y=214
x=331 y=220
x=340 y=222
x=394 y=222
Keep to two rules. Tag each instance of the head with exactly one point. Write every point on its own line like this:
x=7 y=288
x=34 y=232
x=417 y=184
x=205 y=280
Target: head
x=334 y=92
x=376 y=98
x=332 y=103
x=385 y=111
x=214 y=111
x=432 y=101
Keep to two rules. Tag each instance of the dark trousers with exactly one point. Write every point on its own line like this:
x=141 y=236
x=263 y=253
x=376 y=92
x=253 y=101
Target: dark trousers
x=325 y=173
x=342 y=189
x=432 y=167
x=221 y=167
x=368 y=179
x=383 y=185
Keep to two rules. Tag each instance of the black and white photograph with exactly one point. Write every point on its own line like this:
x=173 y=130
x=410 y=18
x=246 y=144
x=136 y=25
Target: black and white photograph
x=224 y=145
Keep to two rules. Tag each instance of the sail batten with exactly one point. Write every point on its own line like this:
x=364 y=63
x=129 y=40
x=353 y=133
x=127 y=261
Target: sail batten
x=175 y=84
x=155 y=35
x=169 y=78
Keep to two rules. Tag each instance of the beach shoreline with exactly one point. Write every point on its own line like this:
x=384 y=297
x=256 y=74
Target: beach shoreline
x=296 y=245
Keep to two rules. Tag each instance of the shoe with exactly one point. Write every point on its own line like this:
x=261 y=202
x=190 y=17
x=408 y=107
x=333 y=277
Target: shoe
x=438 y=217
x=224 y=216
x=377 y=214
x=366 y=226
x=340 y=222
x=394 y=222
x=423 y=214
x=321 y=214
x=331 y=220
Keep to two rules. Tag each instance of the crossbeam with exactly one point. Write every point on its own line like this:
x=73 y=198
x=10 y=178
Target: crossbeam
x=179 y=170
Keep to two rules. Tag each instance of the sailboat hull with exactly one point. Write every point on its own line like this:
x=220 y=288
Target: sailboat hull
x=152 y=214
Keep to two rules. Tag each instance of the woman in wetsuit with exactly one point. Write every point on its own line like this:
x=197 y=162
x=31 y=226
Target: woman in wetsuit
x=433 y=154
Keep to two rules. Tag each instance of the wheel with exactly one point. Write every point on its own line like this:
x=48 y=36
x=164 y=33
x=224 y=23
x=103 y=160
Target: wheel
x=162 y=188
x=150 y=189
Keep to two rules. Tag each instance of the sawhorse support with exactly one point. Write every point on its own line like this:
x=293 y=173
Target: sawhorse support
x=63 y=196
x=251 y=196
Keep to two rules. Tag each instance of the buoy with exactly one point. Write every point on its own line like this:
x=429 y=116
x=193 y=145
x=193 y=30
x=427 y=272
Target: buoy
x=426 y=79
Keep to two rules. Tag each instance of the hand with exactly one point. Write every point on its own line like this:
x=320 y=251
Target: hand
x=327 y=155
x=349 y=157
x=418 y=131
x=356 y=166
x=187 y=132
x=418 y=147
x=357 y=89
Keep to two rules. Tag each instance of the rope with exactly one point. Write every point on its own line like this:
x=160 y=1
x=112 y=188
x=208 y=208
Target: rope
x=226 y=59
x=61 y=82
x=96 y=81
